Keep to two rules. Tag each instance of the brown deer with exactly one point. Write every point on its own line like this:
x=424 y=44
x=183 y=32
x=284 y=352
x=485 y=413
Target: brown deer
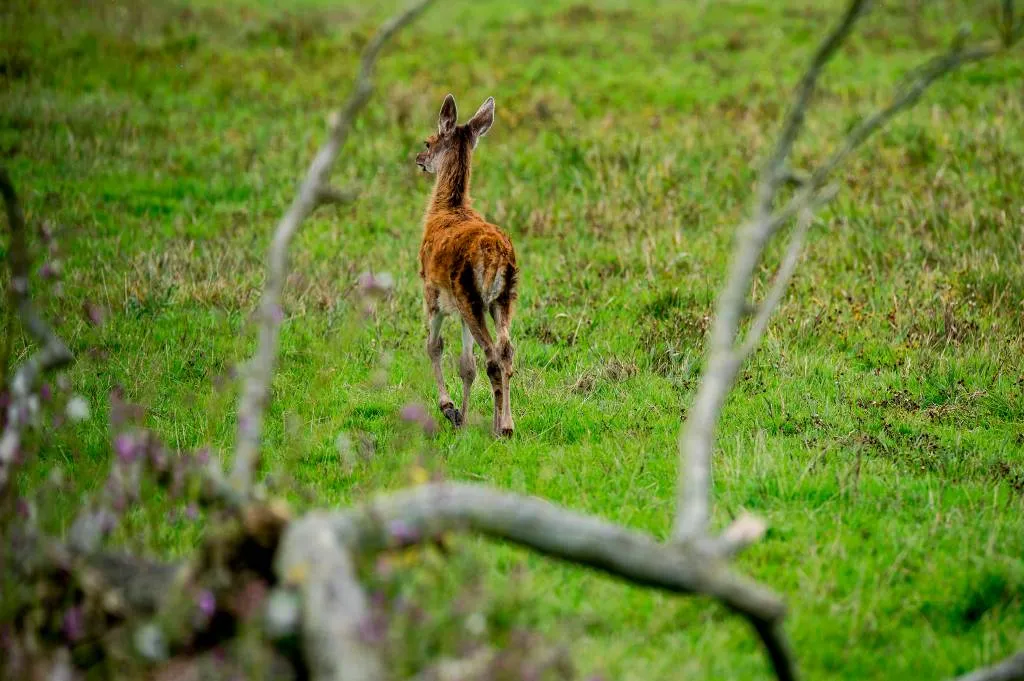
x=468 y=266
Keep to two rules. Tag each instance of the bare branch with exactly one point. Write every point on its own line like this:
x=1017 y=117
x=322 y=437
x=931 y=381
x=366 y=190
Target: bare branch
x=335 y=610
x=744 y=531
x=1010 y=669
x=52 y=355
x=726 y=352
x=314 y=191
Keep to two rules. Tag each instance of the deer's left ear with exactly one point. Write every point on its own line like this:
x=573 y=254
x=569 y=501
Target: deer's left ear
x=449 y=114
x=481 y=121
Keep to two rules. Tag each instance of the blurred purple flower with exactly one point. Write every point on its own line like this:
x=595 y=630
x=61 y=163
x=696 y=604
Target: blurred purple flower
x=417 y=413
x=376 y=285
x=413 y=413
x=50 y=269
x=74 y=624
x=158 y=457
x=127 y=447
x=192 y=512
x=203 y=456
x=207 y=603
x=178 y=474
x=402 y=532
x=45 y=392
x=23 y=508
x=94 y=313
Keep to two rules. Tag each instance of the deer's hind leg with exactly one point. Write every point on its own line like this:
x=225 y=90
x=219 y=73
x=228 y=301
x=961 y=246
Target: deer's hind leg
x=467 y=368
x=501 y=312
x=435 y=348
x=471 y=305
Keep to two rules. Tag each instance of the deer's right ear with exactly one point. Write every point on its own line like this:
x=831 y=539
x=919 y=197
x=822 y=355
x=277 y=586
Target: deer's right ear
x=449 y=115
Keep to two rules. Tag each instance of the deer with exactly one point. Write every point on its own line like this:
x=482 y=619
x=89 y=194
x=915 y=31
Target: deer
x=467 y=265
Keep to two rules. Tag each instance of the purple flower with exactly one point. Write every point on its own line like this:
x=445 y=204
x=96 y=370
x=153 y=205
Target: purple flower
x=23 y=508
x=127 y=447
x=413 y=413
x=158 y=458
x=192 y=512
x=417 y=413
x=94 y=313
x=207 y=603
x=45 y=392
x=203 y=456
x=50 y=269
x=74 y=624
x=402 y=532
x=177 y=479
x=379 y=285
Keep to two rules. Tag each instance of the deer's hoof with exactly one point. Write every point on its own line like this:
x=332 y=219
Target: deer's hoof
x=452 y=414
x=505 y=432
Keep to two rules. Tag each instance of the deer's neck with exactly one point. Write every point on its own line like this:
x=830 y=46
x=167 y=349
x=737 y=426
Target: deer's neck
x=451 y=189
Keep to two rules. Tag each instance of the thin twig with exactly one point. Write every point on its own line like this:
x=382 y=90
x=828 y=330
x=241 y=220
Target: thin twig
x=314 y=191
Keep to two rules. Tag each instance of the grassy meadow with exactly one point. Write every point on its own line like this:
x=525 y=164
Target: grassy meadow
x=879 y=428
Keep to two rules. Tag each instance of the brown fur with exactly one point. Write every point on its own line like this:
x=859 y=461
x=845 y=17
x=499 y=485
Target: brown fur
x=468 y=266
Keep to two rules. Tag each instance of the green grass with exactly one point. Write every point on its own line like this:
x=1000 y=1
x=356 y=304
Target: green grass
x=879 y=429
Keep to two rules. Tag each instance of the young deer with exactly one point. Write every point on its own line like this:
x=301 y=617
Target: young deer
x=468 y=266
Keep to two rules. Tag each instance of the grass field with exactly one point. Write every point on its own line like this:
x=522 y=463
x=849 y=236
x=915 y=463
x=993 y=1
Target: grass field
x=879 y=429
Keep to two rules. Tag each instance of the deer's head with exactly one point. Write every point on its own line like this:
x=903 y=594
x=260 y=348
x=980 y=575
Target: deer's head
x=451 y=137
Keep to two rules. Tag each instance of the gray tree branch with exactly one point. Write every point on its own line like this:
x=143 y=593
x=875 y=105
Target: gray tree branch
x=1010 y=669
x=314 y=191
x=52 y=354
x=335 y=611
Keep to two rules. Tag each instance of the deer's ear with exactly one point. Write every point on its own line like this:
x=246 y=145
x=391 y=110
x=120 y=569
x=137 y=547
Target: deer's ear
x=482 y=120
x=449 y=115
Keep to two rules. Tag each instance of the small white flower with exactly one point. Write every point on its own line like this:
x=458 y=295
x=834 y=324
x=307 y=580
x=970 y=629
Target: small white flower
x=476 y=624
x=78 y=408
x=33 y=407
x=346 y=454
x=9 y=445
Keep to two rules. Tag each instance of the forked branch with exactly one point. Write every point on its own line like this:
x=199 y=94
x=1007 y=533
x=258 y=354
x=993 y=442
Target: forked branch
x=314 y=191
x=728 y=350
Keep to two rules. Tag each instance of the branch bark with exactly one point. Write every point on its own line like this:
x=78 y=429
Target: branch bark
x=1010 y=669
x=53 y=352
x=314 y=191
x=335 y=611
